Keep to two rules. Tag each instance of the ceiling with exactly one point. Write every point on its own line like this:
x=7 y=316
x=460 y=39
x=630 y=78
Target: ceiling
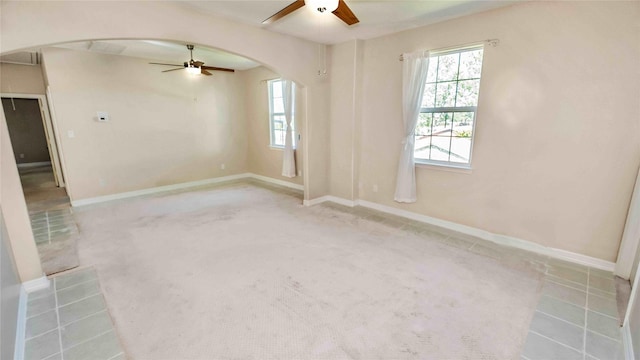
x=377 y=18
x=164 y=51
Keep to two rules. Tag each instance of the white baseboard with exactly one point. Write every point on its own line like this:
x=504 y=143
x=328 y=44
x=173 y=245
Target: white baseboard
x=155 y=190
x=627 y=342
x=33 y=164
x=36 y=284
x=479 y=233
x=276 y=181
x=181 y=186
x=334 y=199
x=18 y=351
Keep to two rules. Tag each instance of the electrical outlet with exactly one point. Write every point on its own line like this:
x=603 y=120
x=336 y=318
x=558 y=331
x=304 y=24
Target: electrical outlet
x=222 y=166
x=21 y=156
x=375 y=188
x=102 y=182
x=71 y=134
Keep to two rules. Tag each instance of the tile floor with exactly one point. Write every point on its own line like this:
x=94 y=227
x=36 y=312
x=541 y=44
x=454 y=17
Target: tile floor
x=52 y=225
x=70 y=321
x=577 y=316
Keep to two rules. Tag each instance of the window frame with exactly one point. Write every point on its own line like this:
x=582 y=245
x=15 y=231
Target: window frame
x=453 y=109
x=273 y=115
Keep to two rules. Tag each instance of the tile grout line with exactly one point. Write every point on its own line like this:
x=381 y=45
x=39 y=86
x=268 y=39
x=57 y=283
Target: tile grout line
x=80 y=283
x=572 y=304
x=92 y=338
x=555 y=341
x=84 y=298
x=41 y=334
x=55 y=293
x=557 y=318
x=116 y=355
x=51 y=356
x=85 y=317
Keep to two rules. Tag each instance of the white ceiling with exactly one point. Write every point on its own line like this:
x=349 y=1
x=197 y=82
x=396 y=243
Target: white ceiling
x=165 y=52
x=377 y=18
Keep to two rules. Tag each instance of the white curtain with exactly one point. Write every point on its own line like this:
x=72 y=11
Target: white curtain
x=288 y=158
x=414 y=76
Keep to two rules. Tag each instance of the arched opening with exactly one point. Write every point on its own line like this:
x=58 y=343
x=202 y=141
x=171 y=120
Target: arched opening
x=125 y=125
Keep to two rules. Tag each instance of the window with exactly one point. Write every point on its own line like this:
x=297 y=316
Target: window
x=444 y=132
x=277 y=122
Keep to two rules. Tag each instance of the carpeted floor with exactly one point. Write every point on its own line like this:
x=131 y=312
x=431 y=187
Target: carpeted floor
x=245 y=272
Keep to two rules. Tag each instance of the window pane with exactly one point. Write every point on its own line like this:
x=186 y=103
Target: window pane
x=470 y=64
x=440 y=148
x=463 y=124
x=278 y=122
x=422 y=147
x=428 y=99
x=446 y=94
x=432 y=69
x=448 y=67
x=276 y=89
x=468 y=93
x=442 y=123
x=460 y=149
x=278 y=105
x=423 y=127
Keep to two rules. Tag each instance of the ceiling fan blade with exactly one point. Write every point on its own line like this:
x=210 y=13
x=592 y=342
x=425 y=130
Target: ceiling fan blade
x=345 y=14
x=181 y=68
x=284 y=12
x=216 y=68
x=205 y=72
x=165 y=64
x=198 y=63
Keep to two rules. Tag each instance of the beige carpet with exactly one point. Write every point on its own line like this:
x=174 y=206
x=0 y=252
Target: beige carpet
x=243 y=272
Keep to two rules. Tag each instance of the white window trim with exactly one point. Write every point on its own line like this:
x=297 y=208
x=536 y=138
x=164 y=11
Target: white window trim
x=442 y=165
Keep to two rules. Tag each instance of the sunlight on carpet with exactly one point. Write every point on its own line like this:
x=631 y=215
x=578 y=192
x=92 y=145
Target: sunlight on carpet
x=242 y=271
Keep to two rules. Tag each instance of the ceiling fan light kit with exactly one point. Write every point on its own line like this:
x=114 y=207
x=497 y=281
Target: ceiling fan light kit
x=194 y=67
x=337 y=7
x=323 y=6
x=193 y=70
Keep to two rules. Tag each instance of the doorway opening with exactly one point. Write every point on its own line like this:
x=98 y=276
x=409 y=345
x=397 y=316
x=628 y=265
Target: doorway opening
x=35 y=148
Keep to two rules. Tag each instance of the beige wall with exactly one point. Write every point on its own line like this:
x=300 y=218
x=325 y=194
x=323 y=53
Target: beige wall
x=21 y=79
x=264 y=160
x=346 y=64
x=164 y=128
x=9 y=295
x=37 y=23
x=556 y=144
x=14 y=209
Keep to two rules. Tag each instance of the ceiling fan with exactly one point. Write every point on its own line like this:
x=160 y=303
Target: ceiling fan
x=194 y=66
x=338 y=7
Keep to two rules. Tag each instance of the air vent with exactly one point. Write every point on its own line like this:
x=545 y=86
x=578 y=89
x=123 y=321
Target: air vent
x=22 y=58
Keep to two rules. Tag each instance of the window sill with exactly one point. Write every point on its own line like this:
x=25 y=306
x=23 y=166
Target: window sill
x=462 y=169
